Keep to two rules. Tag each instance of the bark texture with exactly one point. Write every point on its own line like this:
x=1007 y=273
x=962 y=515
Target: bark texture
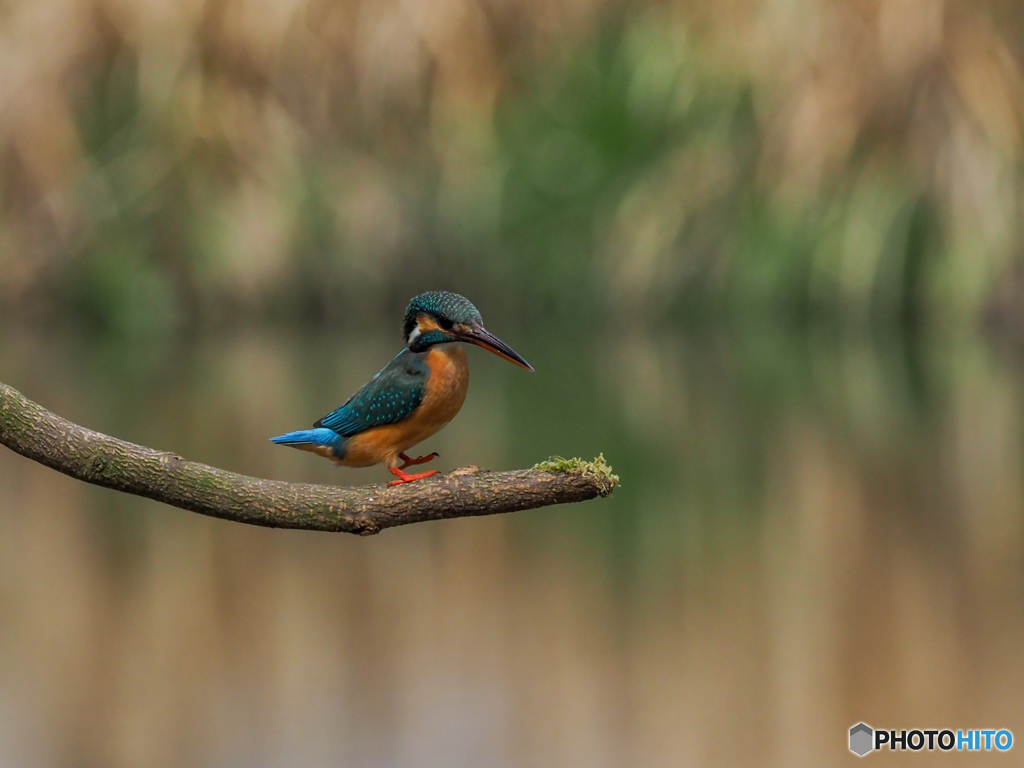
x=32 y=431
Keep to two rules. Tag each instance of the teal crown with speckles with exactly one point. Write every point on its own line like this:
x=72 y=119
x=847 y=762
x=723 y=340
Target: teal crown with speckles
x=444 y=306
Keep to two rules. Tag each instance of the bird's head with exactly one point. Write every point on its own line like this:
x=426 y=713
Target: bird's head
x=439 y=317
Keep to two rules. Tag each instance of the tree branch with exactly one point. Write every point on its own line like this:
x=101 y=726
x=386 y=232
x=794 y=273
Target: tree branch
x=31 y=430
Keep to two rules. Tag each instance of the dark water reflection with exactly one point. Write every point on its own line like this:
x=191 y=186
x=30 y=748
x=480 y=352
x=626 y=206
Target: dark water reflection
x=809 y=533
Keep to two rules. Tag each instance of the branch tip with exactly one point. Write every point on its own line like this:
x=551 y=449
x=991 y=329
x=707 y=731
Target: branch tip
x=598 y=470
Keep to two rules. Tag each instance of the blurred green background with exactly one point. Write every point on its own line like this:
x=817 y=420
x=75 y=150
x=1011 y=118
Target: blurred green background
x=169 y=165
x=766 y=256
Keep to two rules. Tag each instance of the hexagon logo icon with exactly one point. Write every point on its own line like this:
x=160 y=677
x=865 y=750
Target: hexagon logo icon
x=861 y=739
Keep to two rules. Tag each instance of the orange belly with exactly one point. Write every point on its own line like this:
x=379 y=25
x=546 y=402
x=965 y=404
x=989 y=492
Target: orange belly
x=444 y=394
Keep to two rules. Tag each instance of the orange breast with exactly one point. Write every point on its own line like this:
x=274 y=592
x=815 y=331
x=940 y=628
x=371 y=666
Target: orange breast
x=444 y=395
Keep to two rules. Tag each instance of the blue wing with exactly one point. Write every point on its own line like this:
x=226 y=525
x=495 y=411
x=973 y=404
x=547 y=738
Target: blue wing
x=390 y=396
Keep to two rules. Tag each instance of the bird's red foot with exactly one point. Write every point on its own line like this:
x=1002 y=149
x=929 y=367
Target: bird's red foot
x=406 y=478
x=418 y=460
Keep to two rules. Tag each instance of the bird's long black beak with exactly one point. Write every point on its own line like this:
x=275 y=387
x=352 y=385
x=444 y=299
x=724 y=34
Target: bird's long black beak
x=484 y=338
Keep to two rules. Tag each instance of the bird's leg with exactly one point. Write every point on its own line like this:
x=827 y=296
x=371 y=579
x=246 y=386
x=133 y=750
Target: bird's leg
x=406 y=478
x=418 y=460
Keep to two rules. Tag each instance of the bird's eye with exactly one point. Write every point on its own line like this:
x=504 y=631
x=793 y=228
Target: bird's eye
x=445 y=323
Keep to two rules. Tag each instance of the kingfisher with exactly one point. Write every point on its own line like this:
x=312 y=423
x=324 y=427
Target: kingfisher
x=414 y=396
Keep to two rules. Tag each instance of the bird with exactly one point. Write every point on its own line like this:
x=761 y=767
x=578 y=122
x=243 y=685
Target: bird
x=413 y=397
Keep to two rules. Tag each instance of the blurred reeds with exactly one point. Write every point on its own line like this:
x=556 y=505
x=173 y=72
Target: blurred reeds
x=171 y=163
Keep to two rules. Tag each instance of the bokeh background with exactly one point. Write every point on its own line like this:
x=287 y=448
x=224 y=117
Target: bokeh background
x=765 y=255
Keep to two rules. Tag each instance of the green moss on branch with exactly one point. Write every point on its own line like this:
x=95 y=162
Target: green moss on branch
x=598 y=470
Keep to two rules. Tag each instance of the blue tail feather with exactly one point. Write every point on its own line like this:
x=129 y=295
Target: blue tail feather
x=321 y=436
